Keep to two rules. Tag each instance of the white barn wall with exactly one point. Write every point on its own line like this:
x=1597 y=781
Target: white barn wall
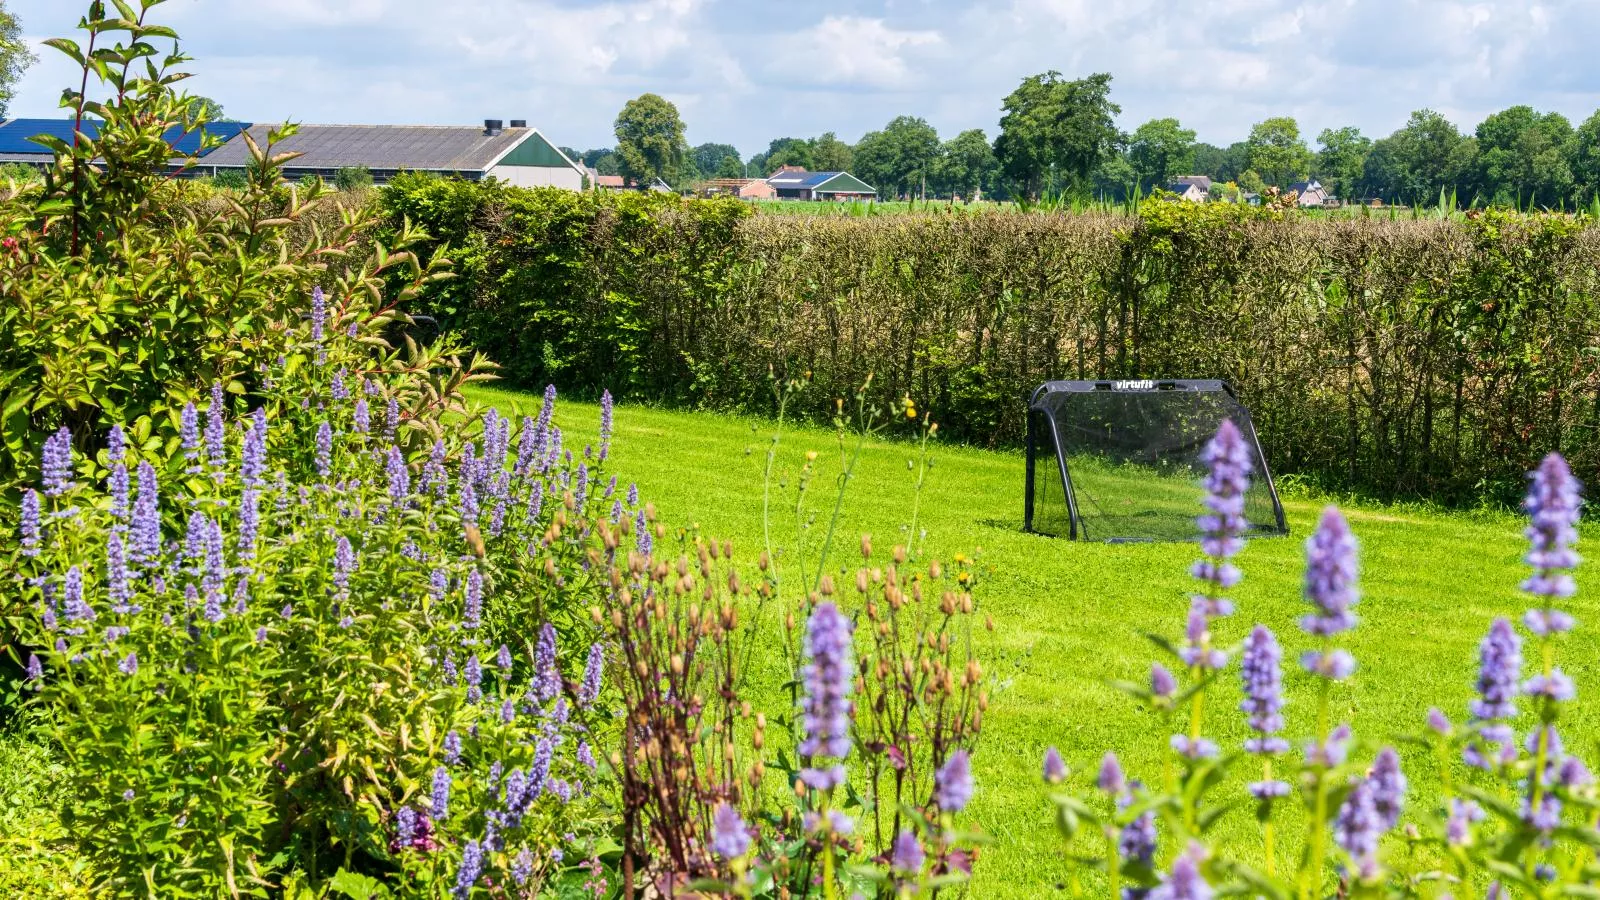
x=539 y=176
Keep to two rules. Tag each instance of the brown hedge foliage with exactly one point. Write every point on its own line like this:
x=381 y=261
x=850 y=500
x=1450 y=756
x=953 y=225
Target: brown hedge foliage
x=1435 y=358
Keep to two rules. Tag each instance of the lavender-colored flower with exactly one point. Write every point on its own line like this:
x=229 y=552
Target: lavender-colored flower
x=360 y=419
x=1193 y=748
x=1331 y=752
x=1331 y=571
x=1268 y=790
x=730 y=836
x=1546 y=622
x=503 y=659
x=344 y=562
x=633 y=495
x=641 y=535
x=1228 y=461
x=1438 y=722
x=522 y=866
x=590 y=688
x=324 y=449
x=391 y=418
x=466 y=494
x=216 y=435
x=586 y=755
x=826 y=707
x=405 y=826
x=1137 y=842
x=118 y=590
x=129 y=664
x=952 y=784
x=253 y=458
x=35 y=669
x=452 y=748
x=471 y=869
x=189 y=435
x=216 y=569
x=1055 y=768
x=319 y=313
x=261 y=635
x=287 y=612
x=1162 y=685
x=1572 y=773
x=213 y=608
x=1196 y=650
x=56 y=463
x=117 y=487
x=1545 y=816
x=1499 y=668
x=1358 y=827
x=1334 y=665
x=908 y=856
x=474 y=679
x=337 y=388
x=116 y=444
x=399 y=478
x=580 y=493
x=1184 y=882
x=72 y=603
x=508 y=711
x=146 y=529
x=441 y=794
x=1263 y=690
x=472 y=607
x=30 y=534
x=1388 y=787
x=546 y=677
x=1111 y=779
x=605 y=425
x=1553 y=506
x=1458 y=827
x=1557 y=686
x=249 y=524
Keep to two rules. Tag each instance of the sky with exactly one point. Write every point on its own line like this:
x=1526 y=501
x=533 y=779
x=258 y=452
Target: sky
x=747 y=71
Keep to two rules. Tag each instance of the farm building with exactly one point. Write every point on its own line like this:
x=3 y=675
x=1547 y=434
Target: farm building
x=17 y=144
x=742 y=188
x=1312 y=193
x=620 y=183
x=518 y=155
x=795 y=183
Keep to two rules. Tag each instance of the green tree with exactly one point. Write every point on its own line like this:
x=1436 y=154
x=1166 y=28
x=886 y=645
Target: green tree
x=1426 y=157
x=1339 y=161
x=1583 y=159
x=608 y=163
x=707 y=158
x=1115 y=178
x=1221 y=163
x=967 y=166
x=1523 y=157
x=207 y=109
x=899 y=159
x=1250 y=182
x=1276 y=151
x=1159 y=150
x=829 y=154
x=784 y=151
x=730 y=167
x=650 y=140
x=1055 y=132
x=15 y=57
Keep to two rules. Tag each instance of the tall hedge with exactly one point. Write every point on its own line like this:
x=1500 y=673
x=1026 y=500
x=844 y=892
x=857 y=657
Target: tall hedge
x=1430 y=358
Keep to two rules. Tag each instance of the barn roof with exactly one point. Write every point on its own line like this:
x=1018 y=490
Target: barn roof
x=16 y=136
x=435 y=148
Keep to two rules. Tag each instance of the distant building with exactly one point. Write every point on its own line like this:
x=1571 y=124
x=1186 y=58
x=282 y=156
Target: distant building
x=1203 y=182
x=619 y=183
x=1312 y=194
x=17 y=144
x=742 y=188
x=795 y=183
x=1192 y=192
x=518 y=155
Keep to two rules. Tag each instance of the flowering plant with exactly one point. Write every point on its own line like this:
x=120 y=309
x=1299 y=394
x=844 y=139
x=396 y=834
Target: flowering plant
x=1523 y=823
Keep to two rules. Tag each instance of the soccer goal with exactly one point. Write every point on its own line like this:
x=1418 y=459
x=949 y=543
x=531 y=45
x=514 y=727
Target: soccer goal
x=1120 y=460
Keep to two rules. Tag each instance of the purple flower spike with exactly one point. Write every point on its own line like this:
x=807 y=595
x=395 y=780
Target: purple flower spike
x=399 y=478
x=216 y=435
x=1184 y=882
x=1331 y=571
x=730 y=837
x=1055 y=768
x=606 y=412
x=1228 y=459
x=189 y=436
x=908 y=856
x=952 y=784
x=441 y=794
x=146 y=529
x=827 y=676
x=546 y=676
x=30 y=533
x=590 y=688
x=1463 y=814
x=1162 y=684
x=360 y=419
x=472 y=608
x=324 y=449
x=35 y=669
x=1557 y=686
x=117 y=487
x=56 y=463
x=1263 y=690
x=1500 y=666
x=1438 y=722
x=1193 y=748
x=253 y=462
x=1553 y=506
x=1388 y=787
x=118 y=589
x=74 y=608
x=129 y=664
x=471 y=868
x=1111 y=780
x=1335 y=665
x=319 y=319
x=391 y=418
x=1358 y=827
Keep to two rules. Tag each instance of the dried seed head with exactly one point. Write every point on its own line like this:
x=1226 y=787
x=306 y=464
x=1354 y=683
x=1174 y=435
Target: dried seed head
x=988 y=622
x=899 y=555
x=866 y=546
x=966 y=603
x=861 y=581
x=935 y=571
x=825 y=587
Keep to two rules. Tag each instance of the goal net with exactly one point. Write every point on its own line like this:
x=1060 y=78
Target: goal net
x=1120 y=460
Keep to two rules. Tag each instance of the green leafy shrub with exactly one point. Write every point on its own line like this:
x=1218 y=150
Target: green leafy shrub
x=126 y=288
x=352 y=178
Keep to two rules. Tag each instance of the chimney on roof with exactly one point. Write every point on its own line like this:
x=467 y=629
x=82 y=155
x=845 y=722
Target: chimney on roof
x=492 y=127
x=519 y=123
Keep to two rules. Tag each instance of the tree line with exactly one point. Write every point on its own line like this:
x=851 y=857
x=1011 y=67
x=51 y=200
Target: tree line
x=1059 y=137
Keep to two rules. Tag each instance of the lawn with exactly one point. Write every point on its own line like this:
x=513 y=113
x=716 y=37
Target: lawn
x=1070 y=616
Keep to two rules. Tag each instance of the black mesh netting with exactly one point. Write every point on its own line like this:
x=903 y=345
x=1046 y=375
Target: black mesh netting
x=1121 y=460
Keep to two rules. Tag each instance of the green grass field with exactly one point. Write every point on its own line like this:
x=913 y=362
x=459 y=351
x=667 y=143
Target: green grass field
x=1070 y=616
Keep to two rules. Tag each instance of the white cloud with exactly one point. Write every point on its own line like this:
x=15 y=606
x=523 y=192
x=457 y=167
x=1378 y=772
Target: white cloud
x=852 y=51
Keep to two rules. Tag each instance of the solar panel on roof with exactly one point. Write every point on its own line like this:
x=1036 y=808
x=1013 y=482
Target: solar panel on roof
x=16 y=136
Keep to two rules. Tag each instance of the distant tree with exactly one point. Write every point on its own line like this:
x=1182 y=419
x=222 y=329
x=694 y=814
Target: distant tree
x=1426 y=157
x=730 y=167
x=1583 y=159
x=650 y=140
x=829 y=154
x=572 y=154
x=1338 y=163
x=592 y=157
x=1116 y=178
x=207 y=109
x=784 y=151
x=608 y=163
x=967 y=166
x=1160 y=149
x=1055 y=132
x=707 y=158
x=900 y=158
x=352 y=178
x=15 y=57
x=1221 y=163
x=1522 y=157
x=1276 y=151
x=1250 y=182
